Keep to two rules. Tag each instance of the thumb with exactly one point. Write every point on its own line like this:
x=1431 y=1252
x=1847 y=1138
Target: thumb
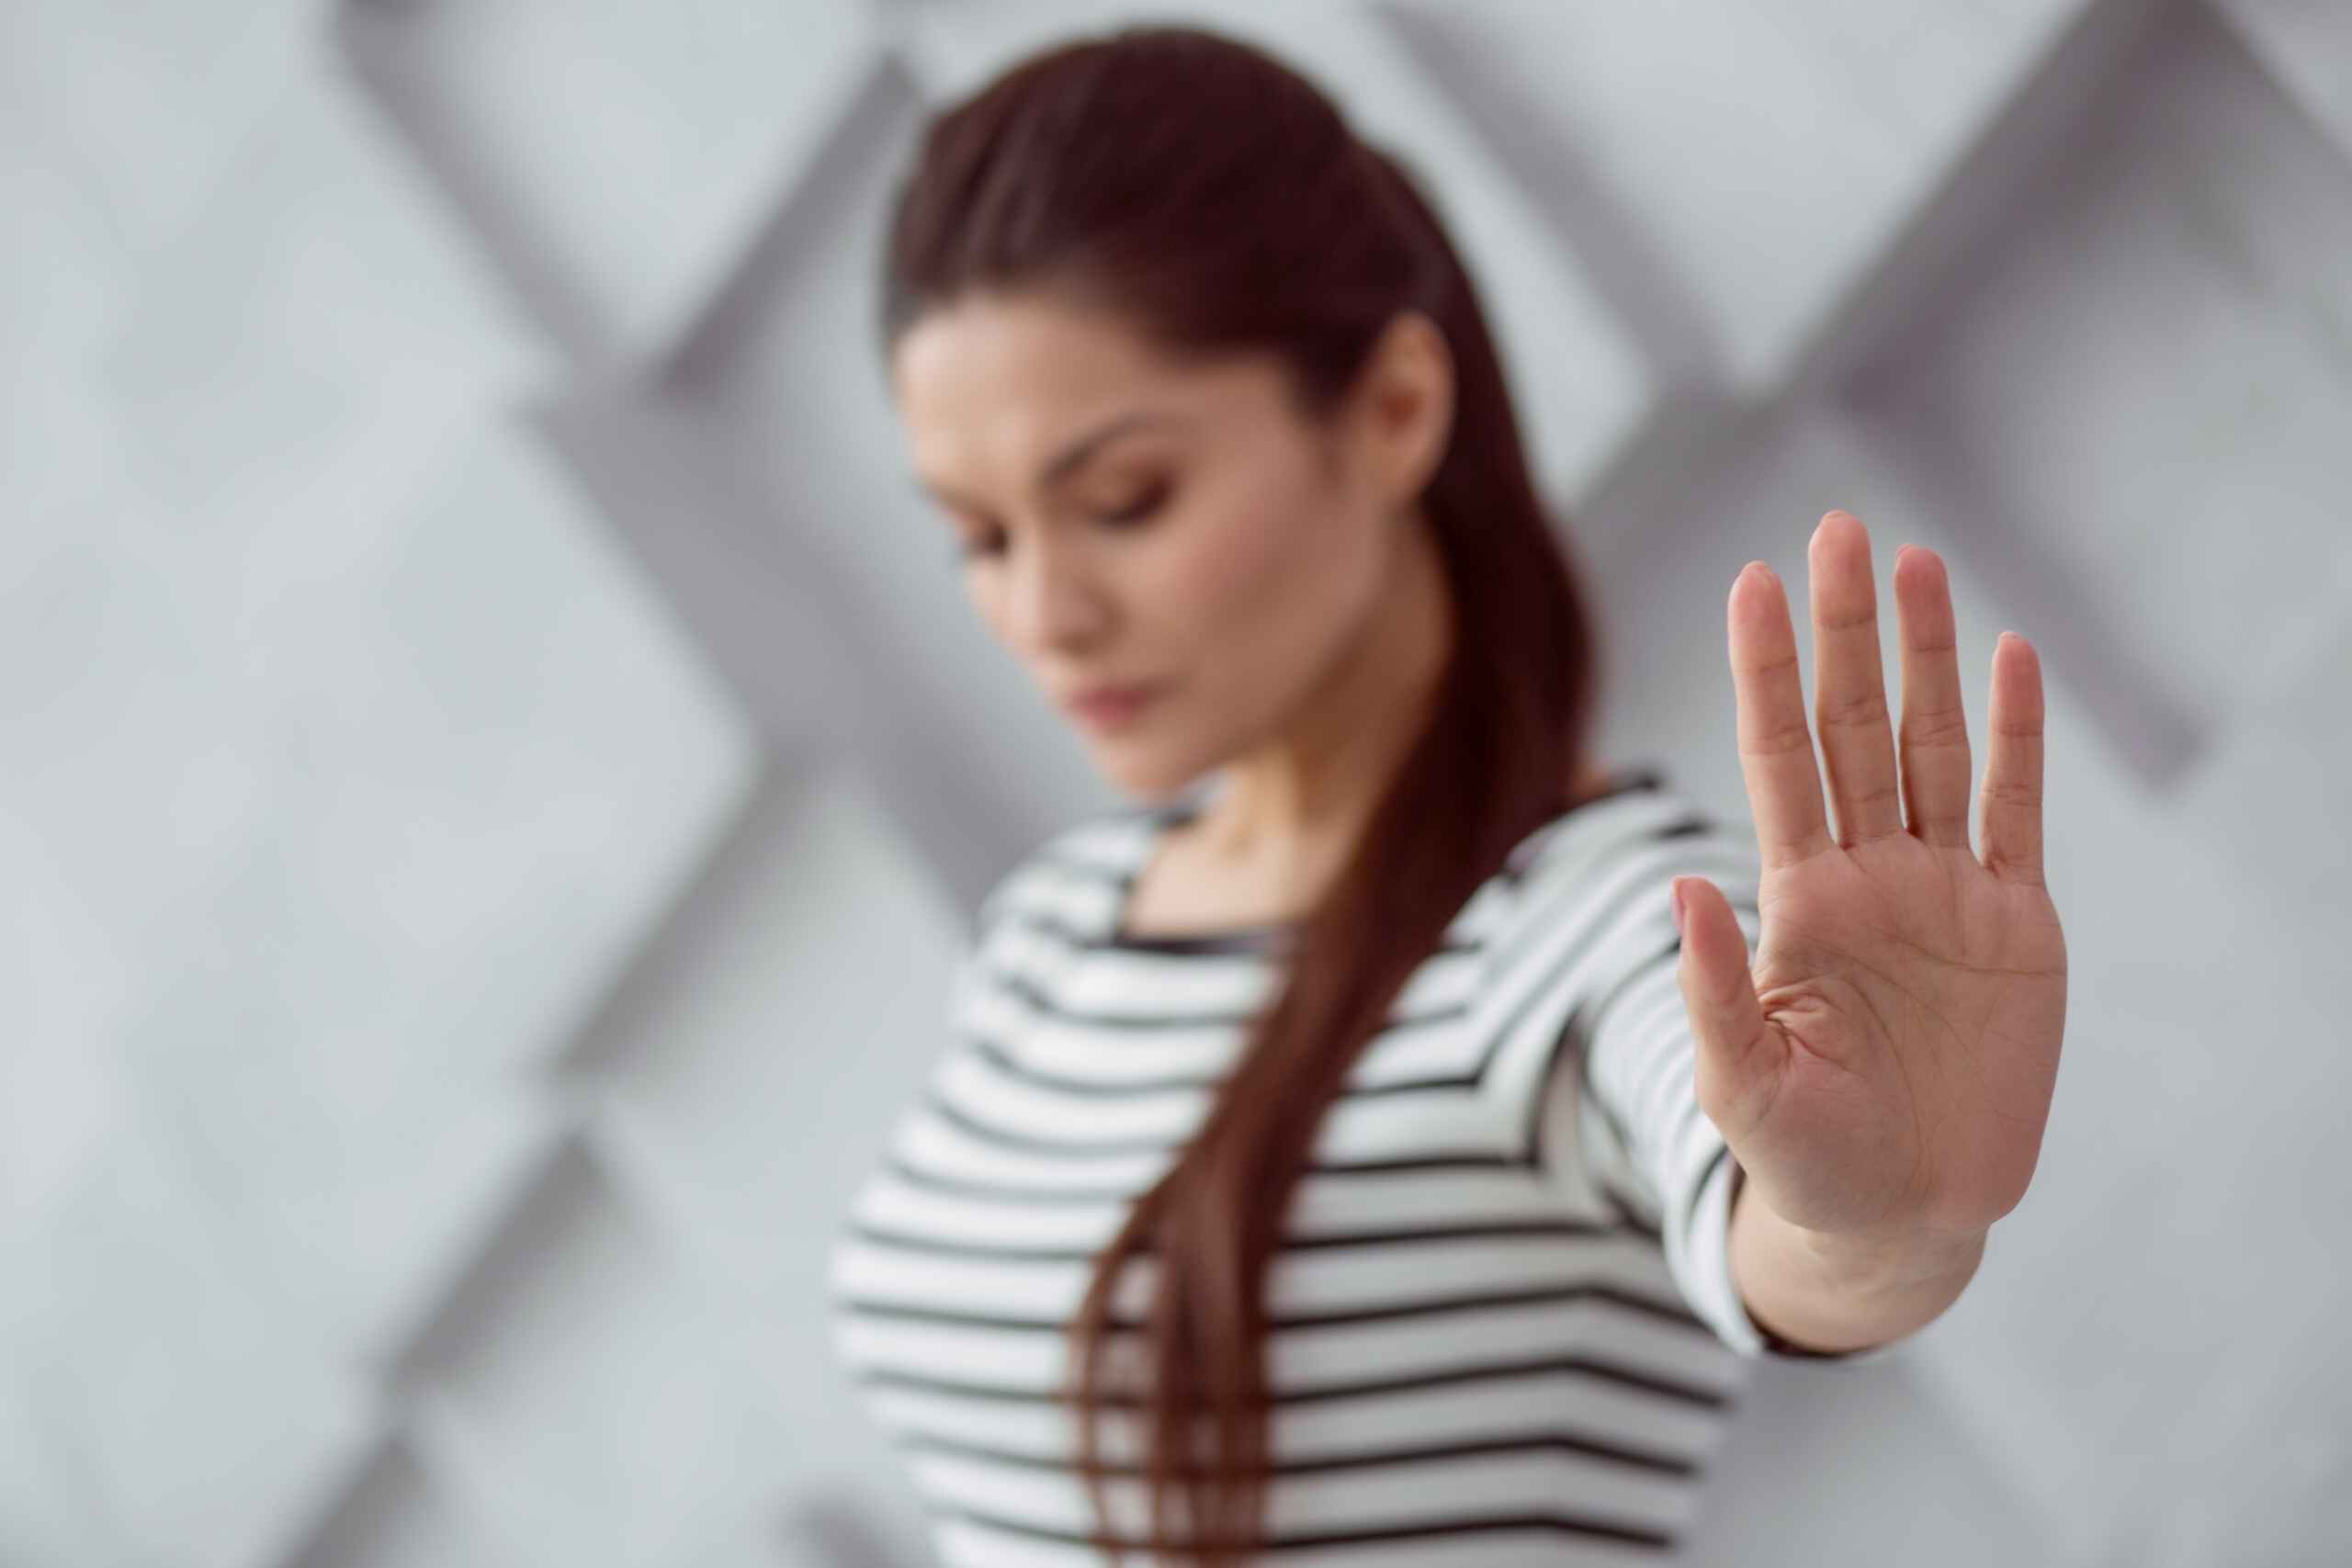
x=1739 y=1053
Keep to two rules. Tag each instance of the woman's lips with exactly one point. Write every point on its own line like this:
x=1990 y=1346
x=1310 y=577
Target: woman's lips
x=1117 y=708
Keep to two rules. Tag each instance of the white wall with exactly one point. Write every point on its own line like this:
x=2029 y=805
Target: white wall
x=488 y=741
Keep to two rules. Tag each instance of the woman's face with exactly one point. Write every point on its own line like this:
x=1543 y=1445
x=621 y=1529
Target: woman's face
x=1131 y=521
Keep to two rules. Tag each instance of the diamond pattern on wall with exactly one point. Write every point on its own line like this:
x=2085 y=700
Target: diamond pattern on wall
x=492 y=748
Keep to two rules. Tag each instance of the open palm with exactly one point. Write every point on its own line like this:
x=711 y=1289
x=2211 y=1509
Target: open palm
x=1884 y=1067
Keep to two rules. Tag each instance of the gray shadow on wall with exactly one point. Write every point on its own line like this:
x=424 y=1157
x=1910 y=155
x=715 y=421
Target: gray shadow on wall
x=1806 y=1462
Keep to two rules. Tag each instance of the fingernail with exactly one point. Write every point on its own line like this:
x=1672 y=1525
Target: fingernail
x=1678 y=916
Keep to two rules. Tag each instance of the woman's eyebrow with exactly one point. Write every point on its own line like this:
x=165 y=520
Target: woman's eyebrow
x=1063 y=463
x=1058 y=467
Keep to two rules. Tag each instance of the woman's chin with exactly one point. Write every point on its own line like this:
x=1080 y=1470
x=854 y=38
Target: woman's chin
x=1139 y=768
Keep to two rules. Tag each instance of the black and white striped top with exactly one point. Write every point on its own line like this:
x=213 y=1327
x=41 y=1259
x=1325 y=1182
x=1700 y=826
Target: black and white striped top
x=1504 y=1325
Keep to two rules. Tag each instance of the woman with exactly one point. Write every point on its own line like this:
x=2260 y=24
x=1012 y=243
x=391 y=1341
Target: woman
x=1396 y=1155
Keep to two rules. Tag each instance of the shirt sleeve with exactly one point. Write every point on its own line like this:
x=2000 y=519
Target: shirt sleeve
x=1622 y=1101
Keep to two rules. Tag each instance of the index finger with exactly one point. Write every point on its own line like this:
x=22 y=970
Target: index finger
x=1776 y=755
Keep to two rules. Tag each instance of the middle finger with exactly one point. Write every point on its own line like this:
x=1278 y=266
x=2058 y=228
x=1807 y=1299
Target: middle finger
x=1850 y=686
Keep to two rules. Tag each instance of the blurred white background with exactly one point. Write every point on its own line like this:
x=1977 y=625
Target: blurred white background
x=495 y=764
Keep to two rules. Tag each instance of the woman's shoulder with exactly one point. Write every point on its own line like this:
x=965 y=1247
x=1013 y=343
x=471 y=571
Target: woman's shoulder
x=1640 y=812
x=1604 y=801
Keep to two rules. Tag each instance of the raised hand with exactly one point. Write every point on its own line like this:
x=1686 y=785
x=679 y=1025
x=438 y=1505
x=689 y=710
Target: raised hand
x=1885 y=1070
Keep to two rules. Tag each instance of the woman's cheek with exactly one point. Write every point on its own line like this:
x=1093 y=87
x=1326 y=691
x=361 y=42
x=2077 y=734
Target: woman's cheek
x=1235 y=581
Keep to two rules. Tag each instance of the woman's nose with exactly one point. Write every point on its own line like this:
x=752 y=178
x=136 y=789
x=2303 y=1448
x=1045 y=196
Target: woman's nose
x=1054 y=602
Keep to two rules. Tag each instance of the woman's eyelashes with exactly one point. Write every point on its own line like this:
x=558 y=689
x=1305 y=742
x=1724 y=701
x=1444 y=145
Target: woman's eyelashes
x=1140 y=508
x=1148 y=500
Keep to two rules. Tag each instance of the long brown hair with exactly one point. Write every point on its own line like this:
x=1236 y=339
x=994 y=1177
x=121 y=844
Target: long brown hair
x=1220 y=201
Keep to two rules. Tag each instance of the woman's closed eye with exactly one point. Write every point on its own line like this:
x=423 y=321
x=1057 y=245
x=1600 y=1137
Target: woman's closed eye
x=1139 y=507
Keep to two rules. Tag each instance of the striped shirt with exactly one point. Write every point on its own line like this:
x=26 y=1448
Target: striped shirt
x=1503 y=1325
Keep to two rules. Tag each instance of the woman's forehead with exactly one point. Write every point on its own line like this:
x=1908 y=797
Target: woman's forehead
x=990 y=339
x=997 y=379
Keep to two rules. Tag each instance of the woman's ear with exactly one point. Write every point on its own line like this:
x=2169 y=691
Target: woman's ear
x=1405 y=406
